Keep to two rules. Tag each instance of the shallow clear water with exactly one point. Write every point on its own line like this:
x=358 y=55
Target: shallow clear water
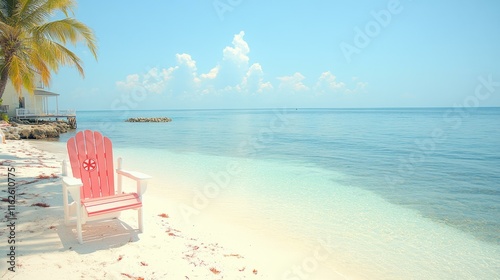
x=406 y=193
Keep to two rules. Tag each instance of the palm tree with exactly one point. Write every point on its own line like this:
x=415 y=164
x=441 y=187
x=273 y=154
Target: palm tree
x=31 y=44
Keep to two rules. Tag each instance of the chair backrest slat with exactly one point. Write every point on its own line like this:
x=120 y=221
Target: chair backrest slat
x=105 y=151
x=81 y=157
x=91 y=159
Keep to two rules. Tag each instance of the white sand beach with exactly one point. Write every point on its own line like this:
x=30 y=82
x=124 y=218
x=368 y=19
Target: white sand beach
x=168 y=249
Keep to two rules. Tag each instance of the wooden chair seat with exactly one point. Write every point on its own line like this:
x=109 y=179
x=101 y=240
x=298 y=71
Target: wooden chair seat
x=110 y=204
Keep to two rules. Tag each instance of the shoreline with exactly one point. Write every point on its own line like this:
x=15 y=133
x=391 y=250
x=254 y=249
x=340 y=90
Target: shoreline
x=371 y=239
x=211 y=248
x=44 y=243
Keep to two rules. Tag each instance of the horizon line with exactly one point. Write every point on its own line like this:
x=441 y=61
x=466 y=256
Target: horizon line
x=295 y=108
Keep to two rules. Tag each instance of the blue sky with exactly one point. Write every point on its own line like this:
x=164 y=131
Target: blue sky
x=309 y=54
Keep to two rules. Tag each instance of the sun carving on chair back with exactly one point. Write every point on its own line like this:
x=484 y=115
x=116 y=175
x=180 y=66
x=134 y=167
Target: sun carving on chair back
x=89 y=165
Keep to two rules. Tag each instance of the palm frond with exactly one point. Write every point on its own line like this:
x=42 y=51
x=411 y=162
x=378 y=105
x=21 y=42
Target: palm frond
x=68 y=29
x=38 y=11
x=55 y=54
x=65 y=6
x=32 y=46
x=5 y=29
x=31 y=10
x=7 y=8
x=19 y=72
x=40 y=66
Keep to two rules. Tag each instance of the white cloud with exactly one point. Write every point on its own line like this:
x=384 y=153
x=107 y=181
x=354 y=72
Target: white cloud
x=184 y=76
x=360 y=87
x=327 y=83
x=179 y=78
x=212 y=74
x=131 y=81
x=232 y=75
x=155 y=80
x=290 y=84
x=231 y=70
x=186 y=60
x=253 y=81
x=238 y=54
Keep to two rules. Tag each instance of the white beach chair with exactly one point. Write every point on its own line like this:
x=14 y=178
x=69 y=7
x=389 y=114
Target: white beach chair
x=92 y=185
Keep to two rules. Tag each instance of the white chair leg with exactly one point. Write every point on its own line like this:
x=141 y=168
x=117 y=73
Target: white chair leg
x=141 y=227
x=79 y=224
x=79 y=231
x=65 y=206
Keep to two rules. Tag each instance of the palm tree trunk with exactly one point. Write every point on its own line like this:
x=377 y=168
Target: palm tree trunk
x=4 y=78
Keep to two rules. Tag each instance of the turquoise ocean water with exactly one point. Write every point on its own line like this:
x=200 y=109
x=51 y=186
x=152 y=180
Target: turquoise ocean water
x=408 y=193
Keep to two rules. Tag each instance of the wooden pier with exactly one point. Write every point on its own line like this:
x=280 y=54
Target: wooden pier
x=27 y=114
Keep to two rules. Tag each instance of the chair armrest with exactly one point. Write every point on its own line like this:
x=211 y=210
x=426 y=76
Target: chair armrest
x=137 y=176
x=72 y=181
x=73 y=185
x=140 y=178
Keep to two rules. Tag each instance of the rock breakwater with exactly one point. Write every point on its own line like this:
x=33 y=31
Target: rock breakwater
x=161 y=119
x=41 y=130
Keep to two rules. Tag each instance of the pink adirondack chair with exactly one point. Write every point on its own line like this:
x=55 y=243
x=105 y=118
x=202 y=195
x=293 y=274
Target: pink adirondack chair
x=92 y=185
